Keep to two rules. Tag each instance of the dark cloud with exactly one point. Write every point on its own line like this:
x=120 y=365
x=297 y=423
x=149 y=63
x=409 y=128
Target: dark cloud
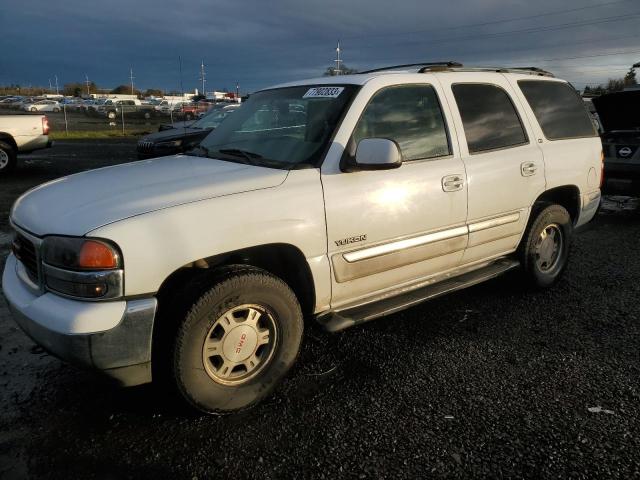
x=257 y=43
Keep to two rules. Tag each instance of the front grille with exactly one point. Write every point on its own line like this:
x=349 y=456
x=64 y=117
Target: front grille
x=25 y=251
x=145 y=146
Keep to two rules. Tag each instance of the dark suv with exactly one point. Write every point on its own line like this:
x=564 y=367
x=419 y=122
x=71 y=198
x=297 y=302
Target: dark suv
x=620 y=118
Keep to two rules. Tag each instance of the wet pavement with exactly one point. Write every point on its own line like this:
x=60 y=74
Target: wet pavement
x=493 y=381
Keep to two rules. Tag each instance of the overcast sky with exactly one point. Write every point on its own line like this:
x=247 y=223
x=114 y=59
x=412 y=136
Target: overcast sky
x=261 y=42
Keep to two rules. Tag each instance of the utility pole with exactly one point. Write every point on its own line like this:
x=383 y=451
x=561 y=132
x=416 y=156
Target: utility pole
x=131 y=77
x=57 y=89
x=50 y=87
x=202 y=78
x=338 y=71
x=87 y=82
x=237 y=91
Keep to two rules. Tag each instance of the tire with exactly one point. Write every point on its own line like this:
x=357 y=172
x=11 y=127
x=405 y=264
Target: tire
x=111 y=115
x=56 y=110
x=8 y=158
x=544 y=250
x=248 y=354
x=34 y=109
x=147 y=115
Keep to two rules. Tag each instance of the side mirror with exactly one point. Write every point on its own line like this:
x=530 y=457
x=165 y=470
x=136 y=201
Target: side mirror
x=377 y=154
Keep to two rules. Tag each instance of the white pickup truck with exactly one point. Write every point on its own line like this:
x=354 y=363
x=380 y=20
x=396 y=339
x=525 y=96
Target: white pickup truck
x=21 y=134
x=340 y=199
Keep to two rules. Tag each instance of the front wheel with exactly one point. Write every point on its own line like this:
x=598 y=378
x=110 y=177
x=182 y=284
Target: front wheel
x=237 y=341
x=111 y=115
x=544 y=251
x=34 y=109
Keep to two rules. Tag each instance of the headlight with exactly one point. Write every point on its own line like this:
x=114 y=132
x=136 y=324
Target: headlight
x=82 y=267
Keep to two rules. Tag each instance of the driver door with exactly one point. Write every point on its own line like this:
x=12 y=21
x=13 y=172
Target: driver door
x=391 y=228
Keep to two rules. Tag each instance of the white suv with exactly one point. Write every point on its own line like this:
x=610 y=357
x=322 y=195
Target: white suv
x=341 y=199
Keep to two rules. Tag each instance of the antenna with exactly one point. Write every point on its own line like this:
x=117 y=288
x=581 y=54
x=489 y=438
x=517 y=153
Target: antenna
x=131 y=77
x=202 y=78
x=337 y=70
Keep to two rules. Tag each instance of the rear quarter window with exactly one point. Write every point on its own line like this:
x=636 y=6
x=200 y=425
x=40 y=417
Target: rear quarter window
x=558 y=108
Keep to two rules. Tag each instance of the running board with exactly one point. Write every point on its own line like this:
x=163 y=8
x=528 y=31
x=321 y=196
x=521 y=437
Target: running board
x=339 y=320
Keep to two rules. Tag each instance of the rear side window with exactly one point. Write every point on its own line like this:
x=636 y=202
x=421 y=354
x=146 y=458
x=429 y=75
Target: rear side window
x=411 y=116
x=489 y=118
x=559 y=109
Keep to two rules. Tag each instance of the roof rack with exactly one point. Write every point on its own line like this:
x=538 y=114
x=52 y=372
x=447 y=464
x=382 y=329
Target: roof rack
x=423 y=64
x=430 y=67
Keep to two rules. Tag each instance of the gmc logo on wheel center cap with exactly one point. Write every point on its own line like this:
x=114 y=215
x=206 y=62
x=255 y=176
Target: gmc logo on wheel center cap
x=624 y=152
x=243 y=337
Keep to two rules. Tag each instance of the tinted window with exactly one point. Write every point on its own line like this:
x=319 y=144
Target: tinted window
x=410 y=115
x=490 y=120
x=558 y=108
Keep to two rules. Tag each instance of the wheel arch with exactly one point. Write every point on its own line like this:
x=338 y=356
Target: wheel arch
x=283 y=260
x=8 y=138
x=568 y=196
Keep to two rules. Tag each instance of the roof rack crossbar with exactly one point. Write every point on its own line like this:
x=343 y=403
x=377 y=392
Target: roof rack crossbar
x=422 y=64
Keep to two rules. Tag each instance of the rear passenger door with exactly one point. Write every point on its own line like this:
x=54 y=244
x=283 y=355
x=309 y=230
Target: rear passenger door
x=503 y=162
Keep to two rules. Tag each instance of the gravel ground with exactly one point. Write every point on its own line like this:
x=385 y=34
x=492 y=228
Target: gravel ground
x=493 y=381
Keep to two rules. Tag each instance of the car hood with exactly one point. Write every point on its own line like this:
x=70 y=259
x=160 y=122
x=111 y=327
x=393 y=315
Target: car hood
x=174 y=134
x=77 y=204
x=619 y=111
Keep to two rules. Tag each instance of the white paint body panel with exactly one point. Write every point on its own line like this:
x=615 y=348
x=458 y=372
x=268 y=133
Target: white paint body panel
x=166 y=213
x=26 y=131
x=80 y=203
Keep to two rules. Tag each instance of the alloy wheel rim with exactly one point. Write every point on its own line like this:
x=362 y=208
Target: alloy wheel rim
x=548 y=248
x=240 y=344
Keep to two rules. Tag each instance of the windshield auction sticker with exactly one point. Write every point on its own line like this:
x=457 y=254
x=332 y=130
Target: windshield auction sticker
x=323 y=92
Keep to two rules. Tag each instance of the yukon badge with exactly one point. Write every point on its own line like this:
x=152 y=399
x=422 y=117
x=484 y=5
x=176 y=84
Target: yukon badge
x=346 y=241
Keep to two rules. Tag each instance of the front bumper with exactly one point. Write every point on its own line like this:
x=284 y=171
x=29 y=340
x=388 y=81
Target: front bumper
x=113 y=337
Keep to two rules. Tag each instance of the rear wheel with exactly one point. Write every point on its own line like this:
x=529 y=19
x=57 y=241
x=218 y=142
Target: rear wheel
x=7 y=157
x=544 y=251
x=237 y=341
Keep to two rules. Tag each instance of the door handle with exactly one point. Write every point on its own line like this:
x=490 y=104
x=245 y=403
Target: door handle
x=452 y=183
x=528 y=168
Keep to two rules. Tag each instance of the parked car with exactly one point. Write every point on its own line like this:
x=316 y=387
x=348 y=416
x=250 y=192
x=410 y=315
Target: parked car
x=619 y=114
x=380 y=190
x=179 y=140
x=42 y=106
x=193 y=110
x=21 y=134
x=113 y=108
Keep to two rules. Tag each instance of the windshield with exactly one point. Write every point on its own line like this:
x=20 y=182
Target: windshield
x=213 y=118
x=281 y=128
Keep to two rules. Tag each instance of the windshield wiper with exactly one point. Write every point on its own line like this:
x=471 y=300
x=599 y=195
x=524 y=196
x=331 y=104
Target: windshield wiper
x=236 y=152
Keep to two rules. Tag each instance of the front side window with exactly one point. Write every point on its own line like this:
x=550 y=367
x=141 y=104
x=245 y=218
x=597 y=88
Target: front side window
x=489 y=117
x=281 y=128
x=558 y=108
x=411 y=116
